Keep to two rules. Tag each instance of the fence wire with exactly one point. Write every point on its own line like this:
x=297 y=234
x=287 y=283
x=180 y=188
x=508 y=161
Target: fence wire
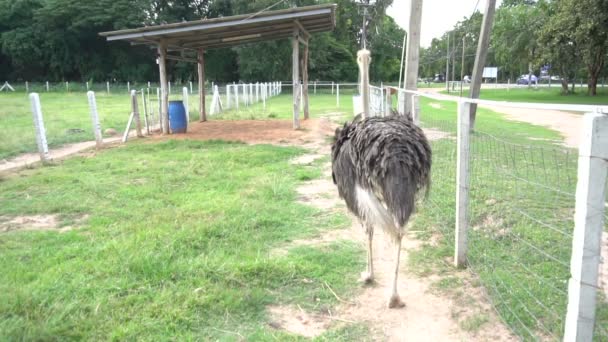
x=521 y=212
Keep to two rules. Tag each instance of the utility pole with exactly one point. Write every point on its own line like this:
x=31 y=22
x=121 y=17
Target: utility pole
x=447 y=66
x=365 y=5
x=480 y=58
x=462 y=66
x=413 y=51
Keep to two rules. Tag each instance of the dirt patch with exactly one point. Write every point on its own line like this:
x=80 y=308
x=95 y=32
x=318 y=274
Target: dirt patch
x=36 y=222
x=433 y=134
x=298 y=321
x=319 y=193
x=305 y=159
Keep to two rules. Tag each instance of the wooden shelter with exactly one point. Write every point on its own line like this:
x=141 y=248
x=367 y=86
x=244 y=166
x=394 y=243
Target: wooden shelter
x=179 y=40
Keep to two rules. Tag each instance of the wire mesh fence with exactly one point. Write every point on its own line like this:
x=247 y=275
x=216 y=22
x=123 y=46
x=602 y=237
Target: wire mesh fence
x=521 y=214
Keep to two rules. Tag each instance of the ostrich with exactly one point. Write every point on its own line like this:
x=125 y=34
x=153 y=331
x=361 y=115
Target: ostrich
x=379 y=165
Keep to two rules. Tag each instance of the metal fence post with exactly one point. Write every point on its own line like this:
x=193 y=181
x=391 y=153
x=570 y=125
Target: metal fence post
x=588 y=227
x=462 y=183
x=95 y=119
x=43 y=147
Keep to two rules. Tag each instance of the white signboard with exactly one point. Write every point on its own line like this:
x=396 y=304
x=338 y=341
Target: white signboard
x=490 y=72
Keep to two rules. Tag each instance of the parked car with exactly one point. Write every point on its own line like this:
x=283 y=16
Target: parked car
x=439 y=78
x=527 y=79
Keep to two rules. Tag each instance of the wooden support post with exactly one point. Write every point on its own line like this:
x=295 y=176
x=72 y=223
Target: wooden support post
x=201 y=85
x=95 y=119
x=305 y=80
x=164 y=98
x=462 y=184
x=160 y=110
x=588 y=227
x=295 y=43
x=412 y=52
x=43 y=147
x=135 y=110
x=480 y=58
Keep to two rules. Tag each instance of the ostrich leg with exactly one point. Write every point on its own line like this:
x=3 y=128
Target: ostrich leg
x=367 y=277
x=395 y=301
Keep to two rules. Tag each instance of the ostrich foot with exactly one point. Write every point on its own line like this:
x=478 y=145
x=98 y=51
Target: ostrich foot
x=395 y=302
x=366 y=278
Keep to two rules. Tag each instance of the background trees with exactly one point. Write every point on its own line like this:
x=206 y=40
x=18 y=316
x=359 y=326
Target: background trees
x=58 y=40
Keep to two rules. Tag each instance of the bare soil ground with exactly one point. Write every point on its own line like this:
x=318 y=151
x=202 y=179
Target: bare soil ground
x=36 y=222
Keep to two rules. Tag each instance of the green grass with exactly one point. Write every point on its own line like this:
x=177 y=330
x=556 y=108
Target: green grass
x=546 y=95
x=176 y=246
x=521 y=218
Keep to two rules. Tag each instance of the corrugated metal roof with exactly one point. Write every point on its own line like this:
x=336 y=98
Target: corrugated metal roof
x=231 y=31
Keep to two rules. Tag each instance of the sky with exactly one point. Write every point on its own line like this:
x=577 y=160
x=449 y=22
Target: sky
x=438 y=16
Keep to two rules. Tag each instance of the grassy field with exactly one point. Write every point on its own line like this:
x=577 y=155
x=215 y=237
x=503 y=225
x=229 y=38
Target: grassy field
x=521 y=214
x=87 y=283
x=546 y=95
x=175 y=246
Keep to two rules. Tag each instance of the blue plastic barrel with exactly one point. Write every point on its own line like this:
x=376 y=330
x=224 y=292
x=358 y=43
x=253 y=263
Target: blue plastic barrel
x=177 y=117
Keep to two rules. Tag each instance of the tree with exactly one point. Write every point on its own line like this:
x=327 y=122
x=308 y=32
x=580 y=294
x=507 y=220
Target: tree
x=578 y=30
x=515 y=36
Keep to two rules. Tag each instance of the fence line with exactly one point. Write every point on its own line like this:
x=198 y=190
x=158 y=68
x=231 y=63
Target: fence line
x=523 y=240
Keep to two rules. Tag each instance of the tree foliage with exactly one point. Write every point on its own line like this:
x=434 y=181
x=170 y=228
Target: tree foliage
x=58 y=40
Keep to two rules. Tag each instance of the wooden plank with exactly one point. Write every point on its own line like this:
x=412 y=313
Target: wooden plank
x=588 y=227
x=201 y=85
x=164 y=98
x=181 y=59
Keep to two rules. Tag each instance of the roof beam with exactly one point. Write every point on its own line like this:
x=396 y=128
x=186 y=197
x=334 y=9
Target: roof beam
x=208 y=26
x=181 y=59
x=301 y=28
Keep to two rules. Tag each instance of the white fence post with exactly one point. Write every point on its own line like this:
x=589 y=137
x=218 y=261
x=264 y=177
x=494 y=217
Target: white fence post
x=135 y=108
x=95 y=119
x=337 y=94
x=236 y=95
x=129 y=87
x=47 y=86
x=186 y=104
x=315 y=87
x=416 y=109
x=588 y=227
x=145 y=103
x=67 y=87
x=169 y=83
x=190 y=87
x=108 y=87
x=27 y=87
x=87 y=83
x=43 y=147
x=462 y=183
x=332 y=87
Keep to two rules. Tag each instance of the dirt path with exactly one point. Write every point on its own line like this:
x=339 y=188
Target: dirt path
x=567 y=124
x=428 y=316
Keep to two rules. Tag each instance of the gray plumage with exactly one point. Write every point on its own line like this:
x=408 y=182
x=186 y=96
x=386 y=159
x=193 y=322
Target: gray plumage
x=380 y=165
